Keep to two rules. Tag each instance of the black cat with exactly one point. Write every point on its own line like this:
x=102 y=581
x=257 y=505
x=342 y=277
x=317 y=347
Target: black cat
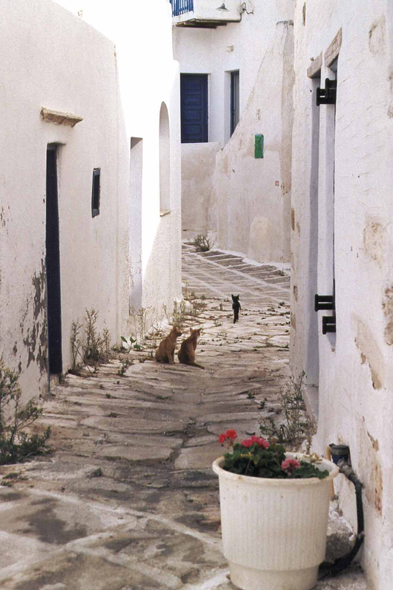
x=236 y=306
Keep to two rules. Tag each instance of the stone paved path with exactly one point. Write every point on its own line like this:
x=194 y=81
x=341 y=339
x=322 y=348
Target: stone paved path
x=128 y=500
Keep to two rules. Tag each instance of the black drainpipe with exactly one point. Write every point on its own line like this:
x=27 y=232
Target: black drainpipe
x=340 y=456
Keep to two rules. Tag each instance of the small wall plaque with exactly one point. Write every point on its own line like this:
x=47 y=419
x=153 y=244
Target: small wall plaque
x=258 y=153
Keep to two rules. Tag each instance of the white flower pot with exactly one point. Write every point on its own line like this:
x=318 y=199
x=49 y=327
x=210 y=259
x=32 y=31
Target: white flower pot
x=274 y=530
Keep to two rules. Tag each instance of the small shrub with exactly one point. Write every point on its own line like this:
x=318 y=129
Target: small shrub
x=15 y=444
x=201 y=243
x=93 y=342
x=96 y=347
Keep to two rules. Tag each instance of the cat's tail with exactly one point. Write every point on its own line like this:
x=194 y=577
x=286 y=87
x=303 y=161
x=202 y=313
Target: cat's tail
x=196 y=365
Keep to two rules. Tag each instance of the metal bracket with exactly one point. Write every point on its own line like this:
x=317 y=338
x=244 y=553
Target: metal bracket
x=328 y=94
x=327 y=302
x=328 y=324
x=324 y=302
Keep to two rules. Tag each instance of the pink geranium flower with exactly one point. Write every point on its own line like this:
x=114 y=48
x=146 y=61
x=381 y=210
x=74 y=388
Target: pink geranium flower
x=247 y=443
x=290 y=465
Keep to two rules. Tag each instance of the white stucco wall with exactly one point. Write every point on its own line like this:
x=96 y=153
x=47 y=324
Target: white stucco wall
x=254 y=195
x=249 y=212
x=355 y=364
x=54 y=59
x=148 y=77
x=42 y=46
x=199 y=206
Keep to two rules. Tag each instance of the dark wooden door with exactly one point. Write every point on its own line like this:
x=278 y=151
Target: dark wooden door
x=194 y=112
x=53 y=264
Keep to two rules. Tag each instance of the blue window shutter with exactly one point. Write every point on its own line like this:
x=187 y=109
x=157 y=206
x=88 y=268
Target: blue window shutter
x=194 y=112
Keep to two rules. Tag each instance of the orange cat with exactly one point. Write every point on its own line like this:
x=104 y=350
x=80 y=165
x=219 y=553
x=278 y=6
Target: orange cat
x=165 y=353
x=186 y=353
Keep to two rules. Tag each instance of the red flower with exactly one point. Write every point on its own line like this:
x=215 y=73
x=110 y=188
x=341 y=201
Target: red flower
x=261 y=442
x=229 y=434
x=290 y=465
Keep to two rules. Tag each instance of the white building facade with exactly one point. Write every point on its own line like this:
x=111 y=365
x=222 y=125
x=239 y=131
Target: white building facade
x=236 y=64
x=342 y=212
x=90 y=191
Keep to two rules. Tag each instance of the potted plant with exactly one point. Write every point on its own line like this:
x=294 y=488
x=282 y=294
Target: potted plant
x=274 y=513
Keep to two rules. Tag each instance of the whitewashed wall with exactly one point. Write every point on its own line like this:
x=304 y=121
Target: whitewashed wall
x=148 y=77
x=254 y=195
x=352 y=368
x=54 y=59
x=42 y=45
x=199 y=203
x=249 y=199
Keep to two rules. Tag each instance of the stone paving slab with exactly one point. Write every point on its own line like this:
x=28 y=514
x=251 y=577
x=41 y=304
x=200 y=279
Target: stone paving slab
x=128 y=500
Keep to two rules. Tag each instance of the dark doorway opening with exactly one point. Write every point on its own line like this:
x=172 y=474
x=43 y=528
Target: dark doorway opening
x=235 y=100
x=194 y=111
x=53 y=263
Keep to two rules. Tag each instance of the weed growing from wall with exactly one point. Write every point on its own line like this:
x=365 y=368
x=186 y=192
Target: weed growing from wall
x=179 y=314
x=94 y=348
x=15 y=444
x=140 y=321
x=93 y=342
x=295 y=426
x=76 y=347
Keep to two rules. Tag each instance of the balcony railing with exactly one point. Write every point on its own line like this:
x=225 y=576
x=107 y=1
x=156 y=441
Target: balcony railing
x=181 y=6
x=205 y=13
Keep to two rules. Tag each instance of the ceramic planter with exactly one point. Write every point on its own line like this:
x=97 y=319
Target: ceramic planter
x=274 y=530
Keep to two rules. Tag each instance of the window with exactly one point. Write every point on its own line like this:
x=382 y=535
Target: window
x=235 y=103
x=95 y=196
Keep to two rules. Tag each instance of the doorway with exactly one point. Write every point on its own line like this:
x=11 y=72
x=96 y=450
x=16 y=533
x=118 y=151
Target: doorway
x=194 y=111
x=52 y=243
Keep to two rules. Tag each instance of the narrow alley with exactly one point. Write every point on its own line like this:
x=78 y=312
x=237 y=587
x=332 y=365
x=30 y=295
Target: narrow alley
x=127 y=499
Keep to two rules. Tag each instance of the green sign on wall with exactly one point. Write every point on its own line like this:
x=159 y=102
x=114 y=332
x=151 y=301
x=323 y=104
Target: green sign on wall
x=258 y=146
